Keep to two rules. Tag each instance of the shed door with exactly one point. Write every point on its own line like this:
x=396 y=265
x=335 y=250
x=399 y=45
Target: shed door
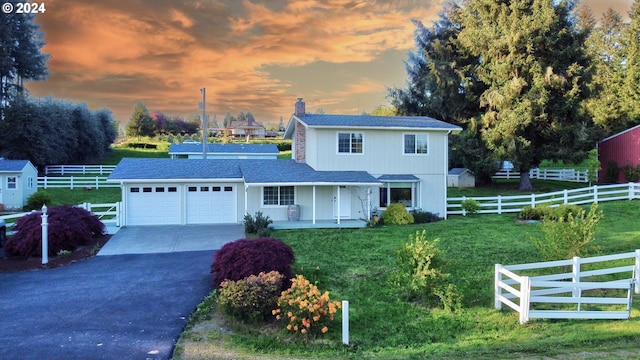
x=153 y=204
x=211 y=203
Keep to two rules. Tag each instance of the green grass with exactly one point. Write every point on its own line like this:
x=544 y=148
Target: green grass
x=510 y=187
x=356 y=264
x=78 y=196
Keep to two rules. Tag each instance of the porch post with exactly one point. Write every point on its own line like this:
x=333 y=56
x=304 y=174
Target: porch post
x=246 y=195
x=313 y=207
x=338 y=203
x=368 y=203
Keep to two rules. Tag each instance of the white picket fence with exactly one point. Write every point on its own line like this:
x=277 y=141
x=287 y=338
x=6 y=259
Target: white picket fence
x=73 y=182
x=78 y=169
x=564 y=295
x=108 y=213
x=547 y=174
x=511 y=204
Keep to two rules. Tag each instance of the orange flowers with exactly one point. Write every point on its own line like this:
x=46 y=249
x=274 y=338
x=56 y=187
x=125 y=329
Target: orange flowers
x=308 y=311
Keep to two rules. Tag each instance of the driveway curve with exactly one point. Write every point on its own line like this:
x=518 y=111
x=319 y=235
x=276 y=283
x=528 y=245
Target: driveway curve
x=127 y=306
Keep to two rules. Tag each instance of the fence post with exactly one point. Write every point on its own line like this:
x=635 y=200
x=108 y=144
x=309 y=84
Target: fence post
x=636 y=273
x=525 y=299
x=576 y=278
x=533 y=200
x=345 y=322
x=566 y=196
x=499 y=204
x=45 y=236
x=464 y=212
x=631 y=192
x=497 y=303
x=595 y=194
x=97 y=183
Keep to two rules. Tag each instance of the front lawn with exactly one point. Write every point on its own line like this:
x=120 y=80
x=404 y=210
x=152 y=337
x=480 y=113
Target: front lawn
x=356 y=265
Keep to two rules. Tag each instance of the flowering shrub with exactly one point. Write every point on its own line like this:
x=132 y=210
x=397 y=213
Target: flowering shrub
x=252 y=297
x=307 y=310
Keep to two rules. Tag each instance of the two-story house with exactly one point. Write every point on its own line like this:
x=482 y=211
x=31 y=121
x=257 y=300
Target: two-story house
x=343 y=167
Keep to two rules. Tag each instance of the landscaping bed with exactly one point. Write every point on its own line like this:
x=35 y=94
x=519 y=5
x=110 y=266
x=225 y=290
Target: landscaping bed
x=89 y=250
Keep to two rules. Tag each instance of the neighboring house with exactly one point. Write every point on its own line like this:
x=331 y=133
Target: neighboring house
x=224 y=151
x=247 y=129
x=623 y=148
x=461 y=178
x=343 y=168
x=18 y=180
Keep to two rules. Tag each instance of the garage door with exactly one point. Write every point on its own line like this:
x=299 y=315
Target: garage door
x=153 y=205
x=211 y=203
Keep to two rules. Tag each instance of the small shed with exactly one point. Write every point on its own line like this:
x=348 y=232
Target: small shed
x=18 y=180
x=461 y=177
x=623 y=148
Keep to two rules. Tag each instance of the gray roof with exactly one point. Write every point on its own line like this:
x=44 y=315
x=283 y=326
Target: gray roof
x=458 y=171
x=253 y=171
x=224 y=149
x=289 y=171
x=159 y=169
x=12 y=165
x=398 y=177
x=369 y=121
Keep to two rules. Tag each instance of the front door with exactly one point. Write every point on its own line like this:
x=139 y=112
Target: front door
x=344 y=205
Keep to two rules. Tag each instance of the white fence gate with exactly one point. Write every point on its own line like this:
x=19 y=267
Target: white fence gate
x=603 y=291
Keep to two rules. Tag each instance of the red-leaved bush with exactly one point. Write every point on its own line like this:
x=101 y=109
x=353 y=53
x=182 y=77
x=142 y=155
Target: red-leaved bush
x=68 y=228
x=244 y=257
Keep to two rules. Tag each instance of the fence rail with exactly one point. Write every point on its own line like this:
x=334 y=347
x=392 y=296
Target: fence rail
x=78 y=169
x=510 y=204
x=73 y=182
x=561 y=295
x=547 y=174
x=108 y=213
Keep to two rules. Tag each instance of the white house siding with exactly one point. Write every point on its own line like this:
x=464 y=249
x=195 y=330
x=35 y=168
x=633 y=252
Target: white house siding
x=383 y=155
x=304 y=198
x=17 y=198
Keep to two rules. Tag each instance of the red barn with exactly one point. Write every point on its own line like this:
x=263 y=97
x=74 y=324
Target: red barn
x=623 y=148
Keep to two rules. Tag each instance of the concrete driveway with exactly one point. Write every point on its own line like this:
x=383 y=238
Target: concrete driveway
x=171 y=238
x=124 y=306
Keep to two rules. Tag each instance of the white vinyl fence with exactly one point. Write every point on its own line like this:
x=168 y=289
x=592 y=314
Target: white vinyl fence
x=582 y=288
x=108 y=213
x=78 y=169
x=547 y=174
x=511 y=204
x=74 y=182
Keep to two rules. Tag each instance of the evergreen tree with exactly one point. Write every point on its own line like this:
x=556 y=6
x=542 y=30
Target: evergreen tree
x=20 y=56
x=531 y=58
x=141 y=123
x=632 y=81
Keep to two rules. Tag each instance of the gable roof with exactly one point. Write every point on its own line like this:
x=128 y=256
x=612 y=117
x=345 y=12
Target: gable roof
x=620 y=133
x=459 y=171
x=12 y=165
x=369 y=122
x=254 y=149
x=252 y=171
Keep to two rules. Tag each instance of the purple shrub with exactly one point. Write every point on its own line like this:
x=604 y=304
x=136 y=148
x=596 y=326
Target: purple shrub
x=69 y=227
x=244 y=257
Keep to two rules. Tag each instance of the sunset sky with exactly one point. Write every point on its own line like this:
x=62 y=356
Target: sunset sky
x=251 y=55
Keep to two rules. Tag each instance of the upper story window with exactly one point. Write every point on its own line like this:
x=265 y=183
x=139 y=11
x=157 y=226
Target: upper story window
x=416 y=144
x=350 y=143
x=12 y=182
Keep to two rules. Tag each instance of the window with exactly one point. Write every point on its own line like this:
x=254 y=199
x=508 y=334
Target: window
x=215 y=188
x=135 y=189
x=12 y=182
x=399 y=192
x=350 y=143
x=146 y=189
x=159 y=189
x=278 y=195
x=30 y=182
x=416 y=144
x=204 y=188
x=172 y=189
x=228 y=188
x=192 y=188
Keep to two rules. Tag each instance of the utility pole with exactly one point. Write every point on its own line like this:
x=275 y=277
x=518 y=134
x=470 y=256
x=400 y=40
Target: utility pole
x=204 y=123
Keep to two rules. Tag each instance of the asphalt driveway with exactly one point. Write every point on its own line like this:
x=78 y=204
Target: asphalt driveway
x=126 y=306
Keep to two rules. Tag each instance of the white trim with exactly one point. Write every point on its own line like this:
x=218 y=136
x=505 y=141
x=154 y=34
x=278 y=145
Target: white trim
x=350 y=133
x=415 y=153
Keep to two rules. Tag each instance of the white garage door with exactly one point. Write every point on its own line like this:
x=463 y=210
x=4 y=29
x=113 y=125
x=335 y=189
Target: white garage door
x=153 y=205
x=211 y=203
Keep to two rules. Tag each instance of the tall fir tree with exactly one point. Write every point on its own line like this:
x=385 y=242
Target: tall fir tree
x=141 y=123
x=532 y=61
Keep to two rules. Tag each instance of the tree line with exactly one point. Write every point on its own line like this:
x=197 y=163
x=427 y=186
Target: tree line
x=527 y=80
x=55 y=132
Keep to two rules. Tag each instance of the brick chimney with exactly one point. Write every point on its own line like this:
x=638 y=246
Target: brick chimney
x=300 y=111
